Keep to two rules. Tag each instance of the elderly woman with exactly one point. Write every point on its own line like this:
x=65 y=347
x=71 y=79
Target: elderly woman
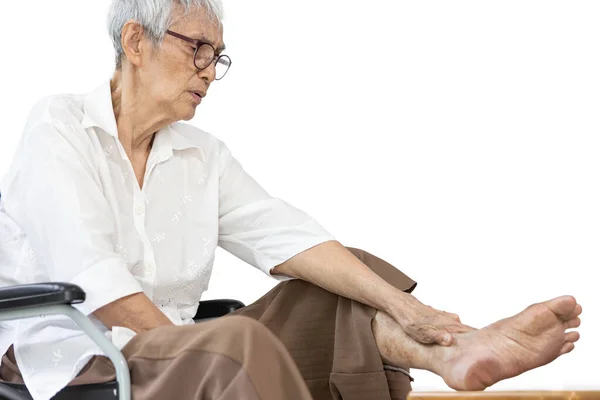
x=110 y=192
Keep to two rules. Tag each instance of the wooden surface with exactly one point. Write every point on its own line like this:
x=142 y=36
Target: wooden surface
x=498 y=395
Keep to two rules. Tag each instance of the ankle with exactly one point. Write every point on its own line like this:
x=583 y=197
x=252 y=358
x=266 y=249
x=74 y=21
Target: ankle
x=383 y=343
x=439 y=358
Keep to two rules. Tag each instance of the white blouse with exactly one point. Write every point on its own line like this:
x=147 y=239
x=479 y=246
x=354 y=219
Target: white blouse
x=71 y=210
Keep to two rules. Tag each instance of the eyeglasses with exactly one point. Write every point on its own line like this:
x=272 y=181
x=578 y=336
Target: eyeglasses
x=206 y=54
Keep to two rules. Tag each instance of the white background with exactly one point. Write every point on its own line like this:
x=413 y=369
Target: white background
x=458 y=140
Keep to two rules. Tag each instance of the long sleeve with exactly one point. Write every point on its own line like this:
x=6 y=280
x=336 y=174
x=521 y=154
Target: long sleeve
x=54 y=194
x=259 y=229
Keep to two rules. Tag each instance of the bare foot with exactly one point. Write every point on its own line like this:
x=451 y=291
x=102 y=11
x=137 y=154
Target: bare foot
x=511 y=346
x=480 y=358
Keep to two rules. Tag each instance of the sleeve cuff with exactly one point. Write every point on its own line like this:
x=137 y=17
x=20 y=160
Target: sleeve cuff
x=269 y=263
x=104 y=283
x=269 y=255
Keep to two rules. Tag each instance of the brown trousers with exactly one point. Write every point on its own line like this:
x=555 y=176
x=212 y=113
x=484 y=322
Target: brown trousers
x=308 y=343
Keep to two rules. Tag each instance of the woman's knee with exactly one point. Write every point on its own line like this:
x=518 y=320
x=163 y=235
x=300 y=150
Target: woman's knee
x=239 y=327
x=245 y=332
x=239 y=324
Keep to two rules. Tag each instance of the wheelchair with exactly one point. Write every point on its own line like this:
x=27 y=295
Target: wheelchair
x=33 y=300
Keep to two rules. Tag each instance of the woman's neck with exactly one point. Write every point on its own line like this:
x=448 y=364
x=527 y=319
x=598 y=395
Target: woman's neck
x=137 y=120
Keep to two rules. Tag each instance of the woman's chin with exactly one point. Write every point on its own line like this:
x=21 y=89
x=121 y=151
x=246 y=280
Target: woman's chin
x=188 y=114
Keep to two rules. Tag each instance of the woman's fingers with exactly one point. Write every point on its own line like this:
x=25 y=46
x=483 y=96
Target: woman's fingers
x=453 y=316
x=429 y=334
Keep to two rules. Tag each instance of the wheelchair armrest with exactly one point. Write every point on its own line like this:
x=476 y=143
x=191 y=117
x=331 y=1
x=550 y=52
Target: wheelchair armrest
x=57 y=298
x=39 y=294
x=217 y=308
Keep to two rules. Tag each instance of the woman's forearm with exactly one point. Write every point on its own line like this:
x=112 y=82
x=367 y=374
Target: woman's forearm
x=136 y=312
x=333 y=267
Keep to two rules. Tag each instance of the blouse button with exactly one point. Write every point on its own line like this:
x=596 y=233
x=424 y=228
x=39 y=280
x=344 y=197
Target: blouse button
x=139 y=209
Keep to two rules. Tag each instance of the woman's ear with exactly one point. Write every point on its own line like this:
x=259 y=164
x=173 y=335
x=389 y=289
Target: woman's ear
x=132 y=41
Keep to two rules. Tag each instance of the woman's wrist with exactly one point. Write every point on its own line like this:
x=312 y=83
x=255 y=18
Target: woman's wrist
x=401 y=305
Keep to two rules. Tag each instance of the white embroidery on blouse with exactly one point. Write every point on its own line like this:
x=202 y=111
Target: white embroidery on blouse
x=203 y=178
x=56 y=357
x=186 y=200
x=121 y=250
x=108 y=149
x=31 y=255
x=159 y=237
x=166 y=302
x=73 y=128
x=191 y=279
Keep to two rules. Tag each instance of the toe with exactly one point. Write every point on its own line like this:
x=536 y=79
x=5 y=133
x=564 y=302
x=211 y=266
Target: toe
x=576 y=311
x=567 y=347
x=563 y=306
x=572 y=323
x=571 y=337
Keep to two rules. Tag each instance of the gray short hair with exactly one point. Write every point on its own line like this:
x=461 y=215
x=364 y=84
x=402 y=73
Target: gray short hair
x=154 y=15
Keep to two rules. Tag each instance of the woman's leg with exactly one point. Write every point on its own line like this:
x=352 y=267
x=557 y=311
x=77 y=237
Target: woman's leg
x=341 y=346
x=331 y=338
x=229 y=358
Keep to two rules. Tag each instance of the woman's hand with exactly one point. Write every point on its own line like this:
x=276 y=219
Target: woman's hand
x=427 y=325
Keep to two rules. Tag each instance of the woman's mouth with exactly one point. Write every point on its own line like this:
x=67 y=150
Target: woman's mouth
x=197 y=97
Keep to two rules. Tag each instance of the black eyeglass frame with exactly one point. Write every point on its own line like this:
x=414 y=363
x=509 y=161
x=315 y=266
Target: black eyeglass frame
x=197 y=43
